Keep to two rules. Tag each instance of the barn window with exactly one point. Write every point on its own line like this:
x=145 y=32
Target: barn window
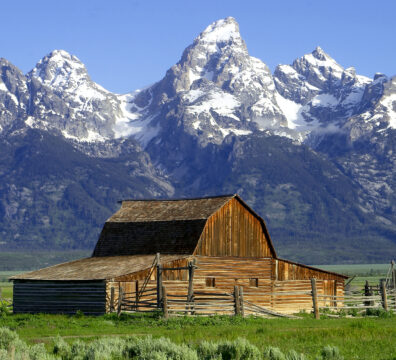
x=210 y=282
x=253 y=282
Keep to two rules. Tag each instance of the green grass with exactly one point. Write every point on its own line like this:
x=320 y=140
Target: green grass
x=358 y=269
x=367 y=338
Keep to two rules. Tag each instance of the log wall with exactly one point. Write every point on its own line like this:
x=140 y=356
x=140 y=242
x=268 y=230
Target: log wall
x=233 y=231
x=278 y=285
x=59 y=297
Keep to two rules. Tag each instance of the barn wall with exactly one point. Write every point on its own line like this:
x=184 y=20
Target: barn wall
x=59 y=297
x=287 y=270
x=263 y=281
x=233 y=231
x=178 y=279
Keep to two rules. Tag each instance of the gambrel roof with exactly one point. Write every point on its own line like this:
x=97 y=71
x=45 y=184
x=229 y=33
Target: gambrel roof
x=143 y=227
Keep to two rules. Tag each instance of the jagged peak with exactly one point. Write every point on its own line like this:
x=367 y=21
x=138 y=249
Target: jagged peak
x=58 y=68
x=61 y=58
x=221 y=31
x=319 y=59
x=319 y=54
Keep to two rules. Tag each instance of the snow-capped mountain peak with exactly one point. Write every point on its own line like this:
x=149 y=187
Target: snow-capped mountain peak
x=220 y=32
x=60 y=70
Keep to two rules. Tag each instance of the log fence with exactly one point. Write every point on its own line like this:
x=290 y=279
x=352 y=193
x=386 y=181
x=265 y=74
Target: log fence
x=355 y=303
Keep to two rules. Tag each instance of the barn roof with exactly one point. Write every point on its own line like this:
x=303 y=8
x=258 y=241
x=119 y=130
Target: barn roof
x=95 y=268
x=169 y=210
x=151 y=226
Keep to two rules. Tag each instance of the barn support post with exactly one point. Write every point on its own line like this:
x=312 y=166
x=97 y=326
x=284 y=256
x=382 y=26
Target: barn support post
x=237 y=301
x=120 y=298
x=165 y=302
x=384 y=296
x=242 y=307
x=112 y=291
x=315 y=304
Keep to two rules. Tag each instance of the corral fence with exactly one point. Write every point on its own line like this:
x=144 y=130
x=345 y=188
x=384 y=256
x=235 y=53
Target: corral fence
x=356 y=302
x=208 y=302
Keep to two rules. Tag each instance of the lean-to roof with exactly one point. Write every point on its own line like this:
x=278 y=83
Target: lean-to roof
x=95 y=268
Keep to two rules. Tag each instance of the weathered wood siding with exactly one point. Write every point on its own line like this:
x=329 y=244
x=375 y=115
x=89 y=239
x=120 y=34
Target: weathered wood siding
x=288 y=270
x=233 y=231
x=59 y=297
x=274 y=284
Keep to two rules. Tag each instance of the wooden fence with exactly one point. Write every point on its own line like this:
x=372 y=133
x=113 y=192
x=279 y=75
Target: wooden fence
x=213 y=301
x=354 y=302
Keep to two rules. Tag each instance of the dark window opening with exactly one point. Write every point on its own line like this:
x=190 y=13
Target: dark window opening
x=210 y=282
x=253 y=282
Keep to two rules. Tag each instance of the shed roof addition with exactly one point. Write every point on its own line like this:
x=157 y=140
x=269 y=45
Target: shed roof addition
x=95 y=268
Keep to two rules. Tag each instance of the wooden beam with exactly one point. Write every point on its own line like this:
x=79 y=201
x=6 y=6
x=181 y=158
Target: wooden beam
x=236 y=300
x=165 y=302
x=384 y=296
x=315 y=304
x=241 y=301
x=112 y=291
x=120 y=297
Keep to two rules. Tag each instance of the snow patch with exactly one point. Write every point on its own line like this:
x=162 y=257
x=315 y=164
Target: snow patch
x=221 y=102
x=292 y=111
x=221 y=31
x=239 y=132
x=390 y=103
x=324 y=100
x=3 y=87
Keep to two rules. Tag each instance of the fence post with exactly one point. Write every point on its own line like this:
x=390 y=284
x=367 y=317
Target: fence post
x=315 y=299
x=241 y=301
x=393 y=275
x=335 y=294
x=367 y=293
x=136 y=295
x=165 y=302
x=384 y=298
x=190 y=292
x=120 y=298
x=159 y=281
x=112 y=299
x=190 y=281
x=236 y=299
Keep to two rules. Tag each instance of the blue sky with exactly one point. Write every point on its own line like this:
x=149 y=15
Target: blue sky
x=127 y=44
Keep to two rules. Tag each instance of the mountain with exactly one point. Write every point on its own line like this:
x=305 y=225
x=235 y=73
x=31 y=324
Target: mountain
x=310 y=147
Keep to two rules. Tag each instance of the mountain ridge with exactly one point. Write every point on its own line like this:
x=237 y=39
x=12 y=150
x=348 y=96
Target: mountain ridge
x=319 y=141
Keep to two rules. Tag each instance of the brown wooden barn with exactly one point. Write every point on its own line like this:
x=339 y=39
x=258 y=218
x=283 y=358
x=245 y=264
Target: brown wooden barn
x=227 y=242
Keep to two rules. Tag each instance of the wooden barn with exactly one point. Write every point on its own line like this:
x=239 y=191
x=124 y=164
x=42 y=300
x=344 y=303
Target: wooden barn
x=188 y=246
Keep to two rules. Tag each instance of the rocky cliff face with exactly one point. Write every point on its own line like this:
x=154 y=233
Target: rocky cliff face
x=311 y=147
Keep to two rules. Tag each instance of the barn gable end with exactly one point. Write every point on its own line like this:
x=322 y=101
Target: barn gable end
x=235 y=230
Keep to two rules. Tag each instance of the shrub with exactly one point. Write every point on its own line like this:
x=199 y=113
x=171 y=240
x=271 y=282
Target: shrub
x=148 y=348
x=239 y=349
x=293 y=355
x=330 y=353
x=4 y=309
x=273 y=353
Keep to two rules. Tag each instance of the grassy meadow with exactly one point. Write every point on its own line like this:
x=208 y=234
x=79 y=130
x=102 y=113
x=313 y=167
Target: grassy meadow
x=356 y=338
x=367 y=338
